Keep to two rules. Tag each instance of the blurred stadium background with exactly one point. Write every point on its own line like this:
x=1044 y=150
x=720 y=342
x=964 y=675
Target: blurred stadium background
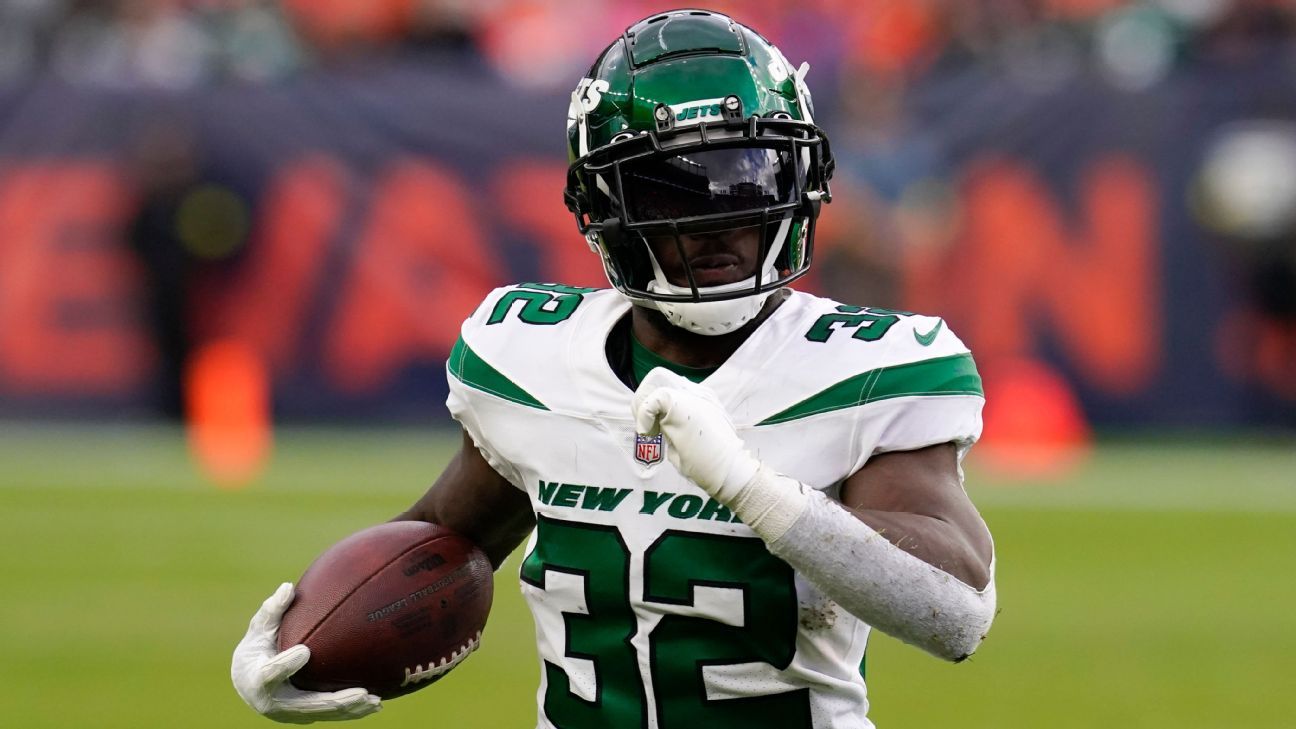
x=237 y=238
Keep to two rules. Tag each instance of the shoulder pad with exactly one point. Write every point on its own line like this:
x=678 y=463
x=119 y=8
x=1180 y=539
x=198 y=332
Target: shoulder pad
x=518 y=344
x=843 y=357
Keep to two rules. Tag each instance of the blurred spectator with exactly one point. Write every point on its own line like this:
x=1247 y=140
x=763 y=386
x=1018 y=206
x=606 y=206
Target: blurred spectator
x=184 y=227
x=336 y=25
x=168 y=44
x=1245 y=194
x=179 y=43
x=255 y=43
x=164 y=161
x=133 y=43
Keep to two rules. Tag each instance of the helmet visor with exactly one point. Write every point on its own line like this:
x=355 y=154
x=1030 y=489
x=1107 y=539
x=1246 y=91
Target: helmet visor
x=709 y=182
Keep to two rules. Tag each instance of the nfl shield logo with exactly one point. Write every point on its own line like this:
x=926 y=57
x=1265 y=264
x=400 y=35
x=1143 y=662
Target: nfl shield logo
x=648 y=448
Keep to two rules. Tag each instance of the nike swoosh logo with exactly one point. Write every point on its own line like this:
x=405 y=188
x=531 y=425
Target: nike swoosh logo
x=926 y=339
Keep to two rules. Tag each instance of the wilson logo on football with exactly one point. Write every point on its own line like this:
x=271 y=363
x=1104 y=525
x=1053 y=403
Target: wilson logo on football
x=427 y=563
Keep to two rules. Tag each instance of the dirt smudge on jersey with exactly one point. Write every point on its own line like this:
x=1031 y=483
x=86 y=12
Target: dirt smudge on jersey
x=819 y=614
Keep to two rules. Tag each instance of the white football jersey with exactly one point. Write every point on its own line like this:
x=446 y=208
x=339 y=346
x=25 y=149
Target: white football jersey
x=654 y=607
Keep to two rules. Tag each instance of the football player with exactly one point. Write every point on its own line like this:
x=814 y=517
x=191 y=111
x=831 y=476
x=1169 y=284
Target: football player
x=726 y=483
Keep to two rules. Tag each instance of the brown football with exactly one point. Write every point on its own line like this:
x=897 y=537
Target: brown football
x=391 y=608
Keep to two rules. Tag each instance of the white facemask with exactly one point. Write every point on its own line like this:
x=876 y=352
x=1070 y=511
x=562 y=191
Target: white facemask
x=711 y=317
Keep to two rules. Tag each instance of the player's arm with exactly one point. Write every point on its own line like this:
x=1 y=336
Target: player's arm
x=473 y=499
x=916 y=500
x=905 y=553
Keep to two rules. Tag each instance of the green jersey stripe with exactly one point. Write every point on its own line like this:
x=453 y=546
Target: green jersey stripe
x=474 y=372
x=953 y=375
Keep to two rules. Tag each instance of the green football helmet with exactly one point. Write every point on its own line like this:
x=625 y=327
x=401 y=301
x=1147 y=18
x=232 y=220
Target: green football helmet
x=691 y=124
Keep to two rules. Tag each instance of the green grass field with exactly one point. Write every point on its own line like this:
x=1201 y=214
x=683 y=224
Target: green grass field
x=1154 y=588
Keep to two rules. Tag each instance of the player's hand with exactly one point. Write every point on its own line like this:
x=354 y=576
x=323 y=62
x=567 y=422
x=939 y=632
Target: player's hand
x=261 y=672
x=702 y=442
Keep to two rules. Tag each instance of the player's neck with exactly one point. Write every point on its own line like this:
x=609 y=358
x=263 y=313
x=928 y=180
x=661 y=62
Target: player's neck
x=690 y=349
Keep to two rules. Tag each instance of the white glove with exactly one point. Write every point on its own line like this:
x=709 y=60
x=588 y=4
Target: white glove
x=702 y=442
x=261 y=672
